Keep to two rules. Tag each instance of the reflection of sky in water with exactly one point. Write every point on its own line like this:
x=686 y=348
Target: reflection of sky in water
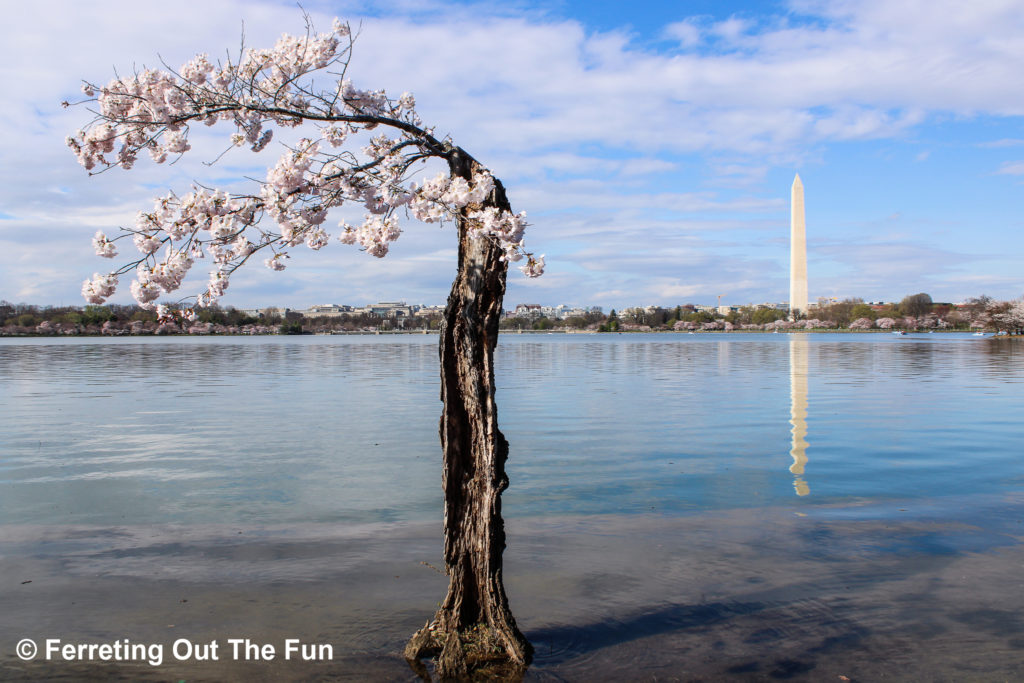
x=161 y=488
x=187 y=431
x=670 y=423
x=267 y=430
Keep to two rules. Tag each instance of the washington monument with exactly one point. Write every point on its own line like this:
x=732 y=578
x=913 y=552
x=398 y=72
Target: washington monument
x=797 y=251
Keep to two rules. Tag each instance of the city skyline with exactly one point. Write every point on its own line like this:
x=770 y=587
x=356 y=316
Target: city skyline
x=651 y=148
x=509 y=305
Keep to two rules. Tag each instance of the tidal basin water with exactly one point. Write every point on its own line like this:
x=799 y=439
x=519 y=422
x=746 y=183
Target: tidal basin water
x=691 y=507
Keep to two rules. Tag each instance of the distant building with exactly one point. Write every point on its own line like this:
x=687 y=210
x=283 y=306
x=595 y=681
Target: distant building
x=529 y=311
x=269 y=312
x=430 y=310
x=781 y=306
x=559 y=312
x=391 y=309
x=574 y=313
x=326 y=310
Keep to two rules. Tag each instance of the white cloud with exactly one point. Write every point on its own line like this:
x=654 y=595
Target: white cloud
x=1011 y=168
x=686 y=33
x=1004 y=142
x=731 y=30
x=586 y=128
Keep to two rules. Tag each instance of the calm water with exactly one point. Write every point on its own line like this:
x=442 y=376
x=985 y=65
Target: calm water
x=694 y=506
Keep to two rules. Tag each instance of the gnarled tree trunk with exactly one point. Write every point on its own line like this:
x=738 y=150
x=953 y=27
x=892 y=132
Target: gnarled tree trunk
x=473 y=630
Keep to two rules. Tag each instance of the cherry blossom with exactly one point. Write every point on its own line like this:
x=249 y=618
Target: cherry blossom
x=103 y=246
x=99 y=288
x=276 y=262
x=534 y=266
x=154 y=110
x=358 y=153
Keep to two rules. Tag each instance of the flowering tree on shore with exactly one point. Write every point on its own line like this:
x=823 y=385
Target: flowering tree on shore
x=1012 y=319
x=862 y=324
x=153 y=111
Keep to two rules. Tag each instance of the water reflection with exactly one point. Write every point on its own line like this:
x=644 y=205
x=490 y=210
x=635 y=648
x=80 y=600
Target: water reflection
x=345 y=428
x=798 y=411
x=280 y=481
x=187 y=430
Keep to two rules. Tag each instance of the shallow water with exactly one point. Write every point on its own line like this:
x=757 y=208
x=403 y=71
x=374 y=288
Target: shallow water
x=682 y=506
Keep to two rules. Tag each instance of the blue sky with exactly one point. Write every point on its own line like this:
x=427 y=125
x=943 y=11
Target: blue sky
x=651 y=144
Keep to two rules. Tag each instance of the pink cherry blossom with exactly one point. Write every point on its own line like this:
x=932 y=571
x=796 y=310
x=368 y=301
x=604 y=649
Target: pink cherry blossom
x=279 y=87
x=103 y=246
x=276 y=262
x=99 y=288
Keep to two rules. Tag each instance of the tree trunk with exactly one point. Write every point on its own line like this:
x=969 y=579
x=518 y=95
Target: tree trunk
x=473 y=631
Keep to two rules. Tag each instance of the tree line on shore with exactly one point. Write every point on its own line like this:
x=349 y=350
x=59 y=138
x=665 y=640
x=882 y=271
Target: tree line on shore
x=914 y=312
x=116 y=319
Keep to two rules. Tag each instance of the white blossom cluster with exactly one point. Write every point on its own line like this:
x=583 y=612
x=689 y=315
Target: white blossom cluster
x=103 y=246
x=151 y=110
x=99 y=288
x=167 y=314
x=444 y=197
x=185 y=225
x=1012 y=317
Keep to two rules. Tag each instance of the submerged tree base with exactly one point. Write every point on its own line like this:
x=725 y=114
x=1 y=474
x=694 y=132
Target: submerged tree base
x=475 y=653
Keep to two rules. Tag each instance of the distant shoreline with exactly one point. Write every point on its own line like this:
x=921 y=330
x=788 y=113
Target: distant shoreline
x=988 y=335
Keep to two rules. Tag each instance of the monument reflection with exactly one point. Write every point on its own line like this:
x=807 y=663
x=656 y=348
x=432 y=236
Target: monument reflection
x=798 y=410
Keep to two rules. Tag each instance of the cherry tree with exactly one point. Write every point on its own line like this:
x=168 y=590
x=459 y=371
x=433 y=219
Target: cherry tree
x=1012 y=319
x=364 y=149
x=862 y=324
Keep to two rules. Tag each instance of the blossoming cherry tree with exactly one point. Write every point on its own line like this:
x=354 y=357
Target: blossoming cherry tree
x=154 y=111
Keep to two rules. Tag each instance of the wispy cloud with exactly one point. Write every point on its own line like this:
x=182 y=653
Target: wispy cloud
x=601 y=138
x=1004 y=142
x=1011 y=168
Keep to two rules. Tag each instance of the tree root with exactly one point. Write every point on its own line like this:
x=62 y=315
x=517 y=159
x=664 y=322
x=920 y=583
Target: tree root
x=476 y=653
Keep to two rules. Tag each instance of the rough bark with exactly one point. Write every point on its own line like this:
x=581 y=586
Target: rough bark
x=473 y=632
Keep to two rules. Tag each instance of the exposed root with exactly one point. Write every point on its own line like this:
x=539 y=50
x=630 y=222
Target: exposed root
x=477 y=653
